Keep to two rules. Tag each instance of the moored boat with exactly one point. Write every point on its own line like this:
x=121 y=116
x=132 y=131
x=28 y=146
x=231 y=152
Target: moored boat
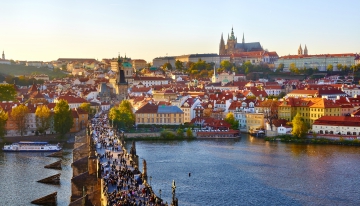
x=27 y=146
x=257 y=133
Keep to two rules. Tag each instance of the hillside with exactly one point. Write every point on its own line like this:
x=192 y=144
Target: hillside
x=16 y=70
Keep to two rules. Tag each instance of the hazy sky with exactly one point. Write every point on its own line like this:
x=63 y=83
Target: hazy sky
x=48 y=30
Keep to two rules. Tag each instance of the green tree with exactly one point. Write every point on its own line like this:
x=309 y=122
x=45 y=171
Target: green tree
x=226 y=65
x=63 y=119
x=299 y=126
x=189 y=133
x=179 y=66
x=180 y=133
x=293 y=68
x=7 y=92
x=3 y=120
x=19 y=115
x=230 y=118
x=123 y=115
x=43 y=118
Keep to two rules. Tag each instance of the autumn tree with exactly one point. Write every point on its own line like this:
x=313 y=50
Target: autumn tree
x=299 y=126
x=167 y=67
x=7 y=92
x=19 y=115
x=43 y=118
x=280 y=67
x=330 y=68
x=3 y=120
x=230 y=118
x=86 y=107
x=63 y=119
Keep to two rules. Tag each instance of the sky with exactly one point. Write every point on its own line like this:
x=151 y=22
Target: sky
x=40 y=30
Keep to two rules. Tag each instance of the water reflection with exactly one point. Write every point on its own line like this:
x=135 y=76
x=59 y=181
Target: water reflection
x=253 y=171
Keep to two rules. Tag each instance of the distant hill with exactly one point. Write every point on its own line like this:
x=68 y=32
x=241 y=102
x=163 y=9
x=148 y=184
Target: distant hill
x=16 y=70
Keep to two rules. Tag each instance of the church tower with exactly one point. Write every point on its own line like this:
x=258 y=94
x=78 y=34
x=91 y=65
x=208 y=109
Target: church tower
x=214 y=77
x=122 y=85
x=300 y=51
x=231 y=42
x=222 y=46
x=243 y=39
x=305 y=50
x=3 y=55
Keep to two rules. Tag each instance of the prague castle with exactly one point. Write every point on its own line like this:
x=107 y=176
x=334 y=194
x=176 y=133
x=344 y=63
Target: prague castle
x=232 y=46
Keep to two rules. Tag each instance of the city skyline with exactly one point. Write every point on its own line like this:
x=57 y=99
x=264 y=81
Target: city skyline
x=145 y=30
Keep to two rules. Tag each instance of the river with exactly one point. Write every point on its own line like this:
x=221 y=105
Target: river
x=247 y=171
x=250 y=171
x=19 y=173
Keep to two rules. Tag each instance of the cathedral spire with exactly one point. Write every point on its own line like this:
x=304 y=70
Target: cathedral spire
x=300 y=51
x=3 y=55
x=243 y=39
x=222 y=46
x=305 y=50
x=232 y=37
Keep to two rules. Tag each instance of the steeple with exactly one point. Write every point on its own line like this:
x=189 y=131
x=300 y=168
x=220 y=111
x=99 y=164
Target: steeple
x=232 y=37
x=222 y=46
x=305 y=50
x=3 y=55
x=300 y=51
x=243 y=39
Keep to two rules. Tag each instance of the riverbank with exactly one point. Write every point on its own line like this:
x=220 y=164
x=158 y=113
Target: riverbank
x=321 y=141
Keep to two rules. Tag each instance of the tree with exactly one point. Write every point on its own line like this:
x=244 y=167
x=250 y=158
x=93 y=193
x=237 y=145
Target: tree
x=167 y=67
x=180 y=133
x=330 y=68
x=299 y=126
x=189 y=133
x=230 y=118
x=43 y=118
x=247 y=70
x=226 y=65
x=340 y=67
x=7 y=92
x=179 y=65
x=123 y=115
x=3 y=120
x=293 y=68
x=86 y=107
x=63 y=119
x=280 y=67
x=270 y=108
x=19 y=115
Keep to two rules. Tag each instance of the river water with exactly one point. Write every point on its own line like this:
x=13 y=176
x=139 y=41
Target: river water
x=247 y=171
x=19 y=173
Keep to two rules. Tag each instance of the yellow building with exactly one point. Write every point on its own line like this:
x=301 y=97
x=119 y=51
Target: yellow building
x=254 y=121
x=310 y=109
x=153 y=114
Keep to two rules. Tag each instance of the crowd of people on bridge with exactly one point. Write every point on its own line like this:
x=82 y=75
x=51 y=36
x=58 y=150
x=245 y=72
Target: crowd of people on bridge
x=123 y=184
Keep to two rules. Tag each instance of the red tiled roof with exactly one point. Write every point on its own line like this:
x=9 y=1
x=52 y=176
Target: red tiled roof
x=338 y=121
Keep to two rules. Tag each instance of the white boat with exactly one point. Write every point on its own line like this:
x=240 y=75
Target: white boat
x=257 y=132
x=26 y=146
